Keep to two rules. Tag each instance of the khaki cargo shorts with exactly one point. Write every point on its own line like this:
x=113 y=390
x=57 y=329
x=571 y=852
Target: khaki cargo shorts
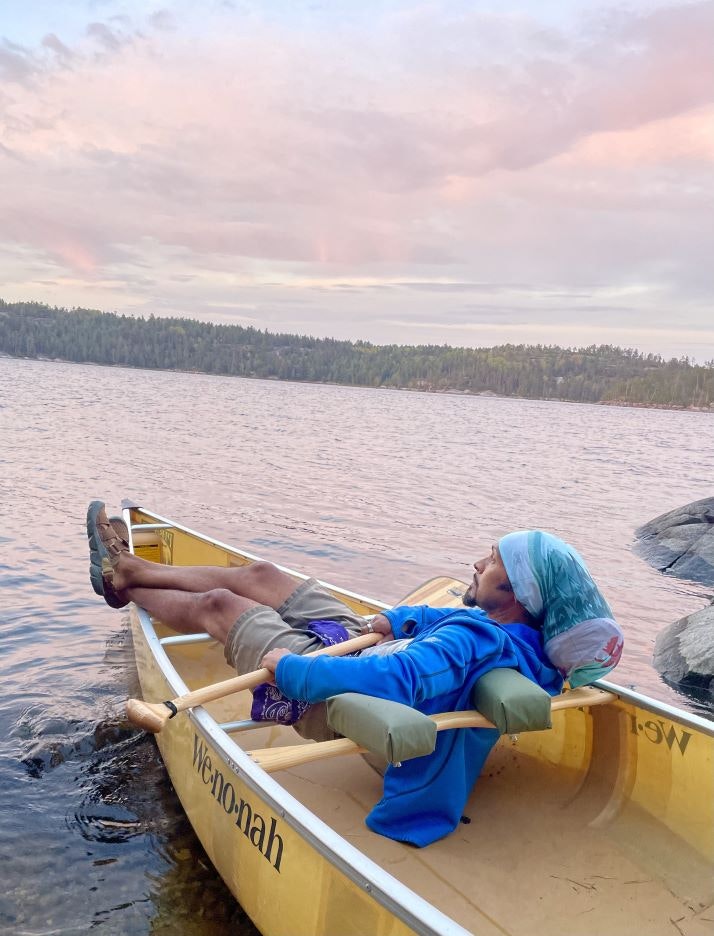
x=260 y=629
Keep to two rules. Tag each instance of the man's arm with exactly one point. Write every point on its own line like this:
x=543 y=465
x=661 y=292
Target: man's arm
x=435 y=666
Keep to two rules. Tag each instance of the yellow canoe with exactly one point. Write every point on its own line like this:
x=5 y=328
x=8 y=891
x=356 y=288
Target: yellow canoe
x=602 y=824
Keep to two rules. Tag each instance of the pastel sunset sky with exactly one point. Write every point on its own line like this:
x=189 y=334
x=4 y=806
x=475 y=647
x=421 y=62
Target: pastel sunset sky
x=465 y=173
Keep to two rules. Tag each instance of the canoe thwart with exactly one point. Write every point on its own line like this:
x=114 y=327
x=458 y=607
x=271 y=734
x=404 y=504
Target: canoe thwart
x=396 y=736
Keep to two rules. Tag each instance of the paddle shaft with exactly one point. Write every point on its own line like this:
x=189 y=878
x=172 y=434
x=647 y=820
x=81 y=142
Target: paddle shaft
x=250 y=680
x=282 y=758
x=152 y=716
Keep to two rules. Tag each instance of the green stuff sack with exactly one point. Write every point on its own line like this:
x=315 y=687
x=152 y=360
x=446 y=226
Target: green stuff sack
x=396 y=732
x=392 y=731
x=512 y=702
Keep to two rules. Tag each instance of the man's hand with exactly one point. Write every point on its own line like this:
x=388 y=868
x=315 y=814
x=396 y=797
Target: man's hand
x=271 y=659
x=379 y=624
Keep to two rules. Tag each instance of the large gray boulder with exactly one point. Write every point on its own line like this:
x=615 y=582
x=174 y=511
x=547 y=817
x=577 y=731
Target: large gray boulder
x=684 y=654
x=681 y=542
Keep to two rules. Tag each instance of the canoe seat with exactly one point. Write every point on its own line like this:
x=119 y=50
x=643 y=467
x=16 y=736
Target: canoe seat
x=396 y=732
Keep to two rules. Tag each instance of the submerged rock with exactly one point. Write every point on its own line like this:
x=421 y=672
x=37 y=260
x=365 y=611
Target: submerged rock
x=684 y=654
x=681 y=542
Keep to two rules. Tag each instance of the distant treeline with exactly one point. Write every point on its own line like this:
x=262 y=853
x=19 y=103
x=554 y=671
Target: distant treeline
x=600 y=373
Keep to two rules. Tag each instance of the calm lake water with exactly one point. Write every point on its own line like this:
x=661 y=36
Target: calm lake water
x=372 y=490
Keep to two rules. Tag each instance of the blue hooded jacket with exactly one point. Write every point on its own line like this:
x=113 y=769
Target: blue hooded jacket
x=424 y=798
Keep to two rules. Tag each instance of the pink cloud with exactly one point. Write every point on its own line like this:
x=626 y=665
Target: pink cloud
x=685 y=140
x=75 y=255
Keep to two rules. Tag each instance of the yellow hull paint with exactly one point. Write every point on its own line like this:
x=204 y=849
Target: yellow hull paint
x=603 y=824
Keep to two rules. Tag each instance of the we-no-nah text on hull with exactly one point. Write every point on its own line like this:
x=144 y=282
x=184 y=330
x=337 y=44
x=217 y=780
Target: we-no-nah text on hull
x=267 y=840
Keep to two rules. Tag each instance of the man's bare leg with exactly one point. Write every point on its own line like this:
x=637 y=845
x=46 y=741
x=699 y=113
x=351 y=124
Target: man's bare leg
x=261 y=582
x=213 y=612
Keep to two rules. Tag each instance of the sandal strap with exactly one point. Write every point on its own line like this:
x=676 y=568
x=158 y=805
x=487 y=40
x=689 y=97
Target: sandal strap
x=113 y=543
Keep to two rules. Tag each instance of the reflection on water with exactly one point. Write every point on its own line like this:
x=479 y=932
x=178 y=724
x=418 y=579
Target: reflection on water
x=373 y=490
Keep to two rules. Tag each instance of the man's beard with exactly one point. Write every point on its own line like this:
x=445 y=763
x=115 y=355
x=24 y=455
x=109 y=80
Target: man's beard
x=468 y=599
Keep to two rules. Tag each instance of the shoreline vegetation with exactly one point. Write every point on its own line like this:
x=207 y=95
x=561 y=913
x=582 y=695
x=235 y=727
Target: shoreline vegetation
x=601 y=374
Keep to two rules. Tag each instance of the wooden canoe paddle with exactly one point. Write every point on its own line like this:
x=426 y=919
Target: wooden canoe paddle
x=152 y=716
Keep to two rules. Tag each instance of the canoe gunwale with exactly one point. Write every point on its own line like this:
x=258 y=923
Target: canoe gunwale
x=681 y=716
x=404 y=903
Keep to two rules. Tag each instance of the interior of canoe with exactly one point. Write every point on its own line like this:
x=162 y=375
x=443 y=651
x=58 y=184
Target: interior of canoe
x=601 y=825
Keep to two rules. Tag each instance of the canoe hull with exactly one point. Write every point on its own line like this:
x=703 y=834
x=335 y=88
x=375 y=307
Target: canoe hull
x=625 y=792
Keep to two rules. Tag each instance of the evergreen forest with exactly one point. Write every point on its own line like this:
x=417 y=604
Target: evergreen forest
x=597 y=374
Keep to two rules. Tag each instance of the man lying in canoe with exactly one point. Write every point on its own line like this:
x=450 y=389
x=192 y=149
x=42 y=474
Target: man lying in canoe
x=531 y=606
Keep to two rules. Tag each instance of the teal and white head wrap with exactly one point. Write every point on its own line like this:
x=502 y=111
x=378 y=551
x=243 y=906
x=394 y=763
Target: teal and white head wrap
x=552 y=583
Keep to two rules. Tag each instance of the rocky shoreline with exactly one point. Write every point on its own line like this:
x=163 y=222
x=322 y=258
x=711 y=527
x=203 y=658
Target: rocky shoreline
x=681 y=543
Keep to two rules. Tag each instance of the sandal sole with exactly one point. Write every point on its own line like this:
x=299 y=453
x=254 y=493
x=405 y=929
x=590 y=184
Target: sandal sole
x=99 y=557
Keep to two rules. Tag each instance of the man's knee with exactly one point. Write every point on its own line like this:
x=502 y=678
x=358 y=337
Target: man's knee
x=265 y=573
x=219 y=609
x=266 y=583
